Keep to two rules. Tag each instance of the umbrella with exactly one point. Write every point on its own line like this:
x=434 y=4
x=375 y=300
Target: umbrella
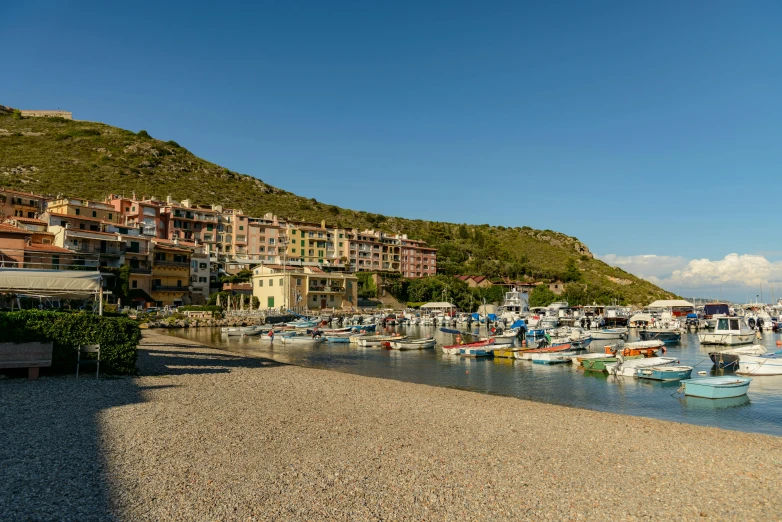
x=241 y=303
x=251 y=303
x=218 y=299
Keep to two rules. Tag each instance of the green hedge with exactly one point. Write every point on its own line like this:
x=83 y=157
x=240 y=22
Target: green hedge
x=118 y=337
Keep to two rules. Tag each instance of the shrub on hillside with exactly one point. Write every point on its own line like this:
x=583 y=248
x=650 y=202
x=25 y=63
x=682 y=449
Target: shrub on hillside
x=143 y=134
x=118 y=337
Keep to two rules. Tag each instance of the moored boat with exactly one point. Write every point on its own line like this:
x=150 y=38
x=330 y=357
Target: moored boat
x=476 y=351
x=412 y=344
x=241 y=330
x=660 y=334
x=664 y=373
x=454 y=349
x=378 y=340
x=768 y=364
x=525 y=354
x=305 y=340
x=609 y=333
x=628 y=367
x=598 y=364
x=551 y=357
x=730 y=358
x=645 y=348
x=716 y=387
x=729 y=331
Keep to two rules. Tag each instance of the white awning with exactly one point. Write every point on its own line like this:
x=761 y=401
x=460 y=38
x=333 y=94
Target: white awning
x=671 y=303
x=50 y=283
x=438 y=306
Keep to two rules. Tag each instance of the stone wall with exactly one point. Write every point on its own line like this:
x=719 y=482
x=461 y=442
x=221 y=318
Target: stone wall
x=48 y=114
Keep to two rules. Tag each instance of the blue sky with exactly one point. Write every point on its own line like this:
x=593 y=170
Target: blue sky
x=640 y=128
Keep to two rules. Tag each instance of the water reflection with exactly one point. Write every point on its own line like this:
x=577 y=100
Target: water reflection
x=557 y=384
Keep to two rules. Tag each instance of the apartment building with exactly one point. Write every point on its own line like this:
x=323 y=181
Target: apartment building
x=86 y=209
x=310 y=287
x=418 y=260
x=147 y=214
x=312 y=244
x=170 y=273
x=376 y=251
x=14 y=203
x=18 y=250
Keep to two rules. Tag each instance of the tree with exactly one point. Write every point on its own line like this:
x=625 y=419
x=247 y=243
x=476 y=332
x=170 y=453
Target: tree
x=541 y=296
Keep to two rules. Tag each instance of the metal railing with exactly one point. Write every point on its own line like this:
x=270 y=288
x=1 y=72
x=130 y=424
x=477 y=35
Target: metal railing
x=169 y=288
x=175 y=264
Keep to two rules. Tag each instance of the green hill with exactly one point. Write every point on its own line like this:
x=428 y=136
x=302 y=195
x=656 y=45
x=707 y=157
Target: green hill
x=91 y=160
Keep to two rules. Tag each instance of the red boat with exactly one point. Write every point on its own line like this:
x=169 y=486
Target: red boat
x=454 y=348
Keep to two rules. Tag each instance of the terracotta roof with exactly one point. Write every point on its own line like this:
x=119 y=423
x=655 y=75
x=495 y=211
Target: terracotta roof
x=10 y=229
x=40 y=247
x=30 y=220
x=28 y=194
x=84 y=218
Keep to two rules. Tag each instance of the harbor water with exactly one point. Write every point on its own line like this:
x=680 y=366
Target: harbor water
x=759 y=411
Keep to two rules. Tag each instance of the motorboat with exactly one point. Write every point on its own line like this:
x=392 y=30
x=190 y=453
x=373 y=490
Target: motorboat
x=730 y=358
x=644 y=348
x=729 y=331
x=666 y=335
x=303 y=340
x=716 y=387
x=551 y=357
x=609 y=333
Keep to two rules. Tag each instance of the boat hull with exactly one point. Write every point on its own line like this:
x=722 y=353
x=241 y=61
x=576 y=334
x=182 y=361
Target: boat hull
x=752 y=365
x=664 y=373
x=726 y=339
x=716 y=387
x=664 y=336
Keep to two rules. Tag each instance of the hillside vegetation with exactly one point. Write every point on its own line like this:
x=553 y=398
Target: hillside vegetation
x=91 y=160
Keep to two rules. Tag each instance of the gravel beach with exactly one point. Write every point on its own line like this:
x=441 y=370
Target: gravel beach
x=202 y=434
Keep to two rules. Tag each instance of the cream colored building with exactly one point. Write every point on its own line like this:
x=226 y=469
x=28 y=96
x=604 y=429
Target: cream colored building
x=304 y=287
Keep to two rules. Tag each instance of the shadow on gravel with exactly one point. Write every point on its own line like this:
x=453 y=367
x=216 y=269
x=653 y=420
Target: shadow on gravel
x=52 y=449
x=51 y=458
x=156 y=362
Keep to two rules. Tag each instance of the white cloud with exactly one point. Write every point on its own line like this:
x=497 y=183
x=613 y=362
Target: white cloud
x=737 y=275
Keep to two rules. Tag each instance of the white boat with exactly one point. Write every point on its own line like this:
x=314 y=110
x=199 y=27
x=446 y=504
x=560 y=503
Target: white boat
x=513 y=307
x=378 y=340
x=729 y=331
x=241 y=330
x=769 y=364
x=304 y=340
x=413 y=344
x=628 y=367
x=552 y=357
x=609 y=333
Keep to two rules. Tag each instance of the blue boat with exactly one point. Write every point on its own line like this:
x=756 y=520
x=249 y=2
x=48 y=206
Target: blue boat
x=717 y=387
x=664 y=373
x=364 y=327
x=338 y=339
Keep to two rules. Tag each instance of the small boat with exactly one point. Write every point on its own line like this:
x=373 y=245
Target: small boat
x=337 y=338
x=660 y=334
x=729 y=331
x=304 y=340
x=241 y=330
x=301 y=324
x=769 y=364
x=476 y=351
x=412 y=344
x=598 y=364
x=506 y=352
x=664 y=373
x=730 y=358
x=609 y=333
x=378 y=340
x=552 y=357
x=716 y=387
x=455 y=349
x=525 y=354
x=645 y=348
x=628 y=368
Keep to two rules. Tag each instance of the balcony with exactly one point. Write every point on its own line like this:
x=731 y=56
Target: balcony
x=169 y=288
x=173 y=264
x=327 y=289
x=140 y=270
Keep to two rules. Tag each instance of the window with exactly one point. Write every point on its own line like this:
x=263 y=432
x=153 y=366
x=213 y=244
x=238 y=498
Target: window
x=111 y=216
x=340 y=236
x=734 y=324
x=82 y=227
x=134 y=283
x=722 y=324
x=320 y=253
x=31 y=215
x=350 y=285
x=78 y=211
x=202 y=266
x=260 y=282
x=340 y=244
x=298 y=281
x=202 y=280
x=293 y=232
x=302 y=242
x=94 y=214
x=241 y=227
x=271 y=282
x=280 y=281
x=127 y=209
x=293 y=250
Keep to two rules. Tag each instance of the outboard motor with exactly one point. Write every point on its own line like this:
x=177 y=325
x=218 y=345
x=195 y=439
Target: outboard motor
x=760 y=323
x=751 y=322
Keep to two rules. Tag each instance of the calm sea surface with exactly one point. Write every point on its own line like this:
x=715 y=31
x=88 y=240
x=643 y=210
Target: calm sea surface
x=760 y=411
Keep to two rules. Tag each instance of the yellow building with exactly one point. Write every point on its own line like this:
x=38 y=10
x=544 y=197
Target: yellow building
x=303 y=287
x=312 y=244
x=170 y=274
x=85 y=209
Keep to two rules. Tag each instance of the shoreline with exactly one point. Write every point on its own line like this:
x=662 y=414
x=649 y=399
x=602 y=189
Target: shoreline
x=203 y=433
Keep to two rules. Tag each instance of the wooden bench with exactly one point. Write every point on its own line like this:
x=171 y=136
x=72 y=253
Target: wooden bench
x=32 y=356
